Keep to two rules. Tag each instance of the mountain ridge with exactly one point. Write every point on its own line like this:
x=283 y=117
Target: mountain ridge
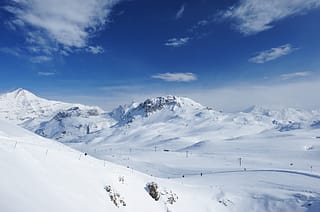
x=169 y=116
x=22 y=105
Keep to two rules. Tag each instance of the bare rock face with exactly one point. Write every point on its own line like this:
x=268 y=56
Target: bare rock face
x=152 y=188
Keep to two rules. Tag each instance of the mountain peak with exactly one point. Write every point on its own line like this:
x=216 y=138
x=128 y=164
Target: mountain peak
x=21 y=93
x=21 y=105
x=170 y=100
x=169 y=103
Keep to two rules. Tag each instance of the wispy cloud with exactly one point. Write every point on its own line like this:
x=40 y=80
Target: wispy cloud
x=13 y=51
x=272 y=54
x=119 y=87
x=40 y=59
x=59 y=26
x=200 y=24
x=177 y=42
x=176 y=77
x=180 y=12
x=254 y=16
x=95 y=49
x=295 y=75
x=46 y=74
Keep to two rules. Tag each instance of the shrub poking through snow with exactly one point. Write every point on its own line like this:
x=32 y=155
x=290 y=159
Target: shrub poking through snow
x=121 y=179
x=152 y=188
x=169 y=196
x=115 y=197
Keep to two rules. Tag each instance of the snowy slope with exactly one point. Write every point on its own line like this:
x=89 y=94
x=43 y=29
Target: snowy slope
x=255 y=160
x=43 y=175
x=71 y=124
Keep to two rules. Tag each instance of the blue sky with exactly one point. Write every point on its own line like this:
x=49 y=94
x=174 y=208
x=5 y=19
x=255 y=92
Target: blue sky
x=109 y=52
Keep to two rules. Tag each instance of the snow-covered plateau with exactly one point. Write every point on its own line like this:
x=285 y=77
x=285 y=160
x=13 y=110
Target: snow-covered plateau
x=164 y=154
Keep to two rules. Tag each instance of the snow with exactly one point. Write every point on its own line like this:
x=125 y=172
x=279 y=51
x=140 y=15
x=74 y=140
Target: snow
x=212 y=161
x=21 y=105
x=43 y=175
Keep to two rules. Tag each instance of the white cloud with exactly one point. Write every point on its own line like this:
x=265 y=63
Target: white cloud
x=46 y=74
x=95 y=49
x=295 y=75
x=13 y=23
x=60 y=25
x=180 y=12
x=176 y=77
x=272 y=54
x=254 y=16
x=40 y=59
x=177 y=42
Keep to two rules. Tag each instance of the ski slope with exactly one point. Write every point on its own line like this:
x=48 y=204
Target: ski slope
x=254 y=160
x=43 y=175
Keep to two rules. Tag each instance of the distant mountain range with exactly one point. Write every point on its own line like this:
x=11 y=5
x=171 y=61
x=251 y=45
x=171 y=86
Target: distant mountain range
x=168 y=121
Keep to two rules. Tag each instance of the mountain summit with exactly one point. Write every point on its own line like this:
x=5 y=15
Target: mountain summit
x=21 y=105
x=171 y=105
x=153 y=120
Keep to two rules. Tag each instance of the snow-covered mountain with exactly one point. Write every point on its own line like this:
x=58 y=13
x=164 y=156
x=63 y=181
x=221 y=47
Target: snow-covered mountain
x=202 y=159
x=169 y=121
x=71 y=124
x=167 y=106
x=21 y=105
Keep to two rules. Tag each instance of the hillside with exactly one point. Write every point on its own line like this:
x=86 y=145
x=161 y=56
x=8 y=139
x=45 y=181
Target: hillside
x=21 y=105
x=258 y=159
x=41 y=174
